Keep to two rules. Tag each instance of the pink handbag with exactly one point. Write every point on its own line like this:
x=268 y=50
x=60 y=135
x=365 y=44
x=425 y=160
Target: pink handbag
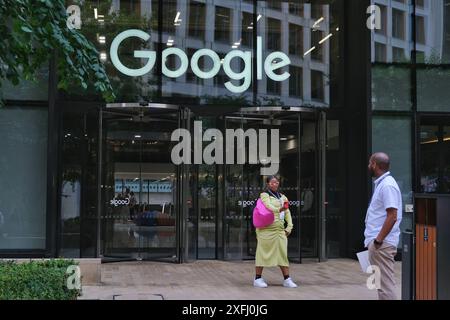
x=262 y=217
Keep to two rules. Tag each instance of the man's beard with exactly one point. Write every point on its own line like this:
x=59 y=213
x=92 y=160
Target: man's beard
x=372 y=173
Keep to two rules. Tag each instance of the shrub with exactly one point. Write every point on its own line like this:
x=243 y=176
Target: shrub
x=36 y=280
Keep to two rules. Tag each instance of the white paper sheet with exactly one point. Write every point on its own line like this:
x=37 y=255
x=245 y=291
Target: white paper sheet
x=363 y=258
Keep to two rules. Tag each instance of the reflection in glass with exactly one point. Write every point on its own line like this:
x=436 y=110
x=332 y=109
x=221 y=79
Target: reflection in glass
x=446 y=159
x=79 y=183
x=139 y=185
x=391 y=87
x=222 y=26
x=429 y=154
x=435 y=158
x=23 y=177
x=392 y=135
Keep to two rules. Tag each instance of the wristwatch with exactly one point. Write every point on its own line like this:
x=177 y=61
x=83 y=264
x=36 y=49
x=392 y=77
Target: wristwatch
x=378 y=243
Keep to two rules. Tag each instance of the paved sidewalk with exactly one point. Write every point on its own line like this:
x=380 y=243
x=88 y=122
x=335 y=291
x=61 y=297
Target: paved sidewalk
x=222 y=280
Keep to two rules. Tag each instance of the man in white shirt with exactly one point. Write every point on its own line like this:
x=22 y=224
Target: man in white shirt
x=383 y=223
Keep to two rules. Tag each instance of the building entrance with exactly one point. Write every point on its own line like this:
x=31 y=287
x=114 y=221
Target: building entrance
x=139 y=218
x=223 y=196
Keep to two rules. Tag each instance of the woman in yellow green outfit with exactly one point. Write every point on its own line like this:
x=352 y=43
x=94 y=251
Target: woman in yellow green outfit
x=271 y=250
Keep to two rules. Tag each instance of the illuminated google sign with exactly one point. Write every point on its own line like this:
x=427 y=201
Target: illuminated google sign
x=272 y=62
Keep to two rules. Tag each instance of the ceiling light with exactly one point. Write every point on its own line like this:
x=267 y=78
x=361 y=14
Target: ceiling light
x=326 y=38
x=309 y=51
x=316 y=24
x=177 y=16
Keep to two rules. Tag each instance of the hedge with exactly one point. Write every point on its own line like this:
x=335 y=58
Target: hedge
x=36 y=280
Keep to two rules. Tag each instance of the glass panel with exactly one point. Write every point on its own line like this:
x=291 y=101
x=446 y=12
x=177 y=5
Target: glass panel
x=23 y=182
x=429 y=155
x=446 y=160
x=309 y=191
x=234 y=232
x=289 y=175
x=245 y=184
x=432 y=88
x=335 y=196
x=139 y=186
x=393 y=136
x=191 y=237
x=435 y=157
x=27 y=90
x=391 y=88
x=308 y=35
x=391 y=38
x=433 y=56
x=79 y=188
x=103 y=21
x=206 y=201
x=432 y=32
x=202 y=51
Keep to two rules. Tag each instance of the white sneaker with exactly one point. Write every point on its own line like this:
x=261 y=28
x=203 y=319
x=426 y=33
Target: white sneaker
x=260 y=283
x=288 y=283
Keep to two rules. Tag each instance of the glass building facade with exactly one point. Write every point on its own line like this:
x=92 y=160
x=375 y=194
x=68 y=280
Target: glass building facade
x=84 y=178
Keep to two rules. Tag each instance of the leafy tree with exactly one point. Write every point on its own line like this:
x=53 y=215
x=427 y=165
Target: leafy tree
x=32 y=31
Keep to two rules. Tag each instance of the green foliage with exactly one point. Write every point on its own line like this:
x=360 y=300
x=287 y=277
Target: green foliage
x=115 y=21
x=33 y=30
x=36 y=280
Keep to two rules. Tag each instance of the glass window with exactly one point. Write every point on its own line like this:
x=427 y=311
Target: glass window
x=273 y=34
x=335 y=192
x=274 y=4
x=429 y=155
x=103 y=21
x=380 y=52
x=171 y=16
x=435 y=157
x=78 y=229
x=316 y=11
x=316 y=40
x=433 y=32
x=398 y=24
x=446 y=159
x=391 y=87
x=295 y=40
x=273 y=87
x=27 y=90
x=296 y=82
x=23 y=182
x=433 y=93
x=398 y=55
x=392 y=135
x=310 y=37
x=223 y=24
x=433 y=73
x=420 y=30
x=247 y=29
x=383 y=27
x=317 y=85
x=296 y=8
x=197 y=19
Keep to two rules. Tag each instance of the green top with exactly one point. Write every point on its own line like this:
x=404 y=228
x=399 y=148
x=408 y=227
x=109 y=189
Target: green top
x=274 y=205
